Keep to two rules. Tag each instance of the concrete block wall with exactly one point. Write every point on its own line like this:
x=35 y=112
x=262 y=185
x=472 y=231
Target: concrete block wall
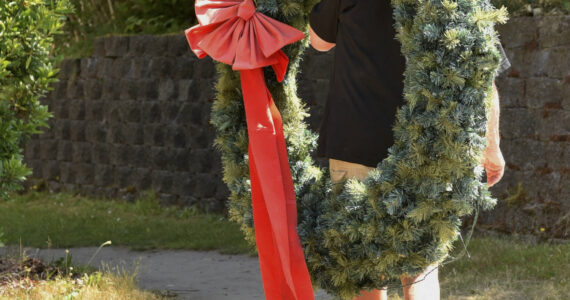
x=535 y=128
x=135 y=116
x=132 y=117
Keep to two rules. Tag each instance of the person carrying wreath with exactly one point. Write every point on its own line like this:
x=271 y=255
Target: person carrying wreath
x=366 y=88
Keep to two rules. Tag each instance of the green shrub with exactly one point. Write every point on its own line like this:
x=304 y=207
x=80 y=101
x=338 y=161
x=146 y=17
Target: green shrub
x=157 y=16
x=94 y=18
x=26 y=72
x=130 y=16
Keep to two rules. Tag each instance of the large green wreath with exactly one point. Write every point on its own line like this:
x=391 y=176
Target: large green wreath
x=407 y=213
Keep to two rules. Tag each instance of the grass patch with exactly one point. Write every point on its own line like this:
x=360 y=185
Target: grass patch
x=506 y=267
x=500 y=267
x=61 y=220
x=24 y=277
x=509 y=268
x=79 y=282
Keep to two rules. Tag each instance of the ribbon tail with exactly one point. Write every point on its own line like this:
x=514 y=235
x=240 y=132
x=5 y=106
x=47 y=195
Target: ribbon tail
x=274 y=283
x=299 y=270
x=282 y=263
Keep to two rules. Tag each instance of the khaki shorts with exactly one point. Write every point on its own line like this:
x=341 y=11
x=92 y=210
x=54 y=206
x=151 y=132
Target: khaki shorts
x=340 y=169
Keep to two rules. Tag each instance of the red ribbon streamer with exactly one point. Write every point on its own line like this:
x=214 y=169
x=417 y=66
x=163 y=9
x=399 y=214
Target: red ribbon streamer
x=232 y=32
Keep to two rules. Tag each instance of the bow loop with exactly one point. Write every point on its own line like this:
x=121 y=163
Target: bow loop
x=233 y=32
x=215 y=11
x=246 y=10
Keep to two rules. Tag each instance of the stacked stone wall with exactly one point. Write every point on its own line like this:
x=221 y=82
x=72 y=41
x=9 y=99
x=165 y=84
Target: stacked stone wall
x=135 y=114
x=535 y=128
x=132 y=117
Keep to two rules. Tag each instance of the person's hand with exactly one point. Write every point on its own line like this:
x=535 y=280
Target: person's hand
x=494 y=164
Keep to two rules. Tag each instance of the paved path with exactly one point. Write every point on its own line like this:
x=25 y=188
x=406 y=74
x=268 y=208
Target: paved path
x=195 y=275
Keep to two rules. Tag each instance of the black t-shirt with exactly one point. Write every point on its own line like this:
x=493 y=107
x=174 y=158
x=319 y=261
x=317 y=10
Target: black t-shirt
x=366 y=85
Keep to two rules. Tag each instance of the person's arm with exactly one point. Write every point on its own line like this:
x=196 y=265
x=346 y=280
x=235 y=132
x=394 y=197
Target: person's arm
x=493 y=120
x=323 y=24
x=318 y=43
x=493 y=160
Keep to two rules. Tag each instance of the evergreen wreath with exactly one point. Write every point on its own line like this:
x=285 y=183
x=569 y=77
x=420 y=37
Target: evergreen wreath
x=407 y=213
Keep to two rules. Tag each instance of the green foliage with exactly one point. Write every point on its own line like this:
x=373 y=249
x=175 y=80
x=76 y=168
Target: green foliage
x=156 y=16
x=68 y=220
x=99 y=17
x=26 y=72
x=1 y=237
x=131 y=16
x=509 y=267
x=407 y=213
x=517 y=196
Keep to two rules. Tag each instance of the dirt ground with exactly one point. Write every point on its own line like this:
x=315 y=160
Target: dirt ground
x=192 y=275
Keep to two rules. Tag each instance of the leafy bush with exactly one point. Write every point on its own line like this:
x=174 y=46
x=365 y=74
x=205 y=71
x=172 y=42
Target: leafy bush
x=157 y=16
x=130 y=16
x=99 y=17
x=26 y=72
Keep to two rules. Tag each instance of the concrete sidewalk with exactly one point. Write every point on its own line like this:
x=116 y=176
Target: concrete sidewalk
x=196 y=275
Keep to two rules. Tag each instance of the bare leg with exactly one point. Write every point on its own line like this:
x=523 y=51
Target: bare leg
x=417 y=289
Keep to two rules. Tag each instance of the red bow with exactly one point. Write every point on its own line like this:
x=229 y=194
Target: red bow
x=232 y=32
